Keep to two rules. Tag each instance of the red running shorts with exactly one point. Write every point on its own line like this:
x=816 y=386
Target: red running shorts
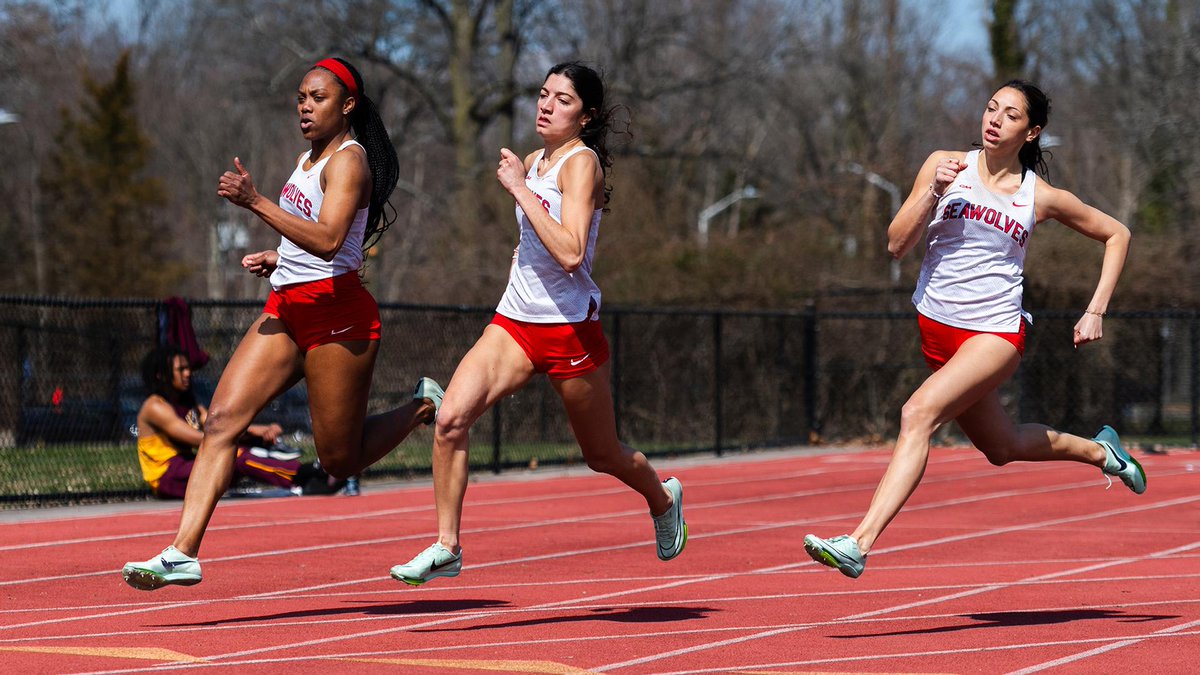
x=939 y=342
x=561 y=350
x=325 y=311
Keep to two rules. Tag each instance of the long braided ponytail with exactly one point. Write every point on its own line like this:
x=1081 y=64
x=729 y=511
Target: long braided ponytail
x=381 y=154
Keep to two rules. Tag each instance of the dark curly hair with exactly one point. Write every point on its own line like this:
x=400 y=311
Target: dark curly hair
x=589 y=85
x=158 y=372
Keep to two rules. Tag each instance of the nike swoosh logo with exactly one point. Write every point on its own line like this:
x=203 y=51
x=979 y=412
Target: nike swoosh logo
x=575 y=362
x=167 y=564
x=434 y=568
x=1121 y=462
x=339 y=332
x=1020 y=206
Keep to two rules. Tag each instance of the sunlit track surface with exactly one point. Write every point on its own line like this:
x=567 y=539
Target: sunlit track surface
x=1027 y=568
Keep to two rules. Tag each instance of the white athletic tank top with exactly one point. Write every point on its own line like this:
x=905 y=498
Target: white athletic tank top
x=974 y=266
x=302 y=196
x=539 y=289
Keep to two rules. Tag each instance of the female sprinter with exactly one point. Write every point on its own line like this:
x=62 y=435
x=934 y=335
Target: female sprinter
x=319 y=322
x=980 y=208
x=547 y=322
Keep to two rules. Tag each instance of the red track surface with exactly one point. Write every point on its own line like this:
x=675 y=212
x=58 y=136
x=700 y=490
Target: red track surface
x=1028 y=568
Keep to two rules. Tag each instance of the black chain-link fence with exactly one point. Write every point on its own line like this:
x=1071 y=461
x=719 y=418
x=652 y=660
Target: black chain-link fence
x=683 y=381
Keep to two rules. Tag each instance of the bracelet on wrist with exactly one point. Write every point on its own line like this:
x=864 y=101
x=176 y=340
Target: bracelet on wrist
x=934 y=192
x=1099 y=314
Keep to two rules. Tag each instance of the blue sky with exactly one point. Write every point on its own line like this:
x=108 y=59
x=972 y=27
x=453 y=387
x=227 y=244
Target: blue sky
x=961 y=25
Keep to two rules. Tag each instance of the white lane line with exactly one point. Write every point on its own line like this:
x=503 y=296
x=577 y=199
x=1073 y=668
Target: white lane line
x=903 y=655
x=1171 y=631
x=361 y=515
x=734 y=531
x=383 y=513
x=480 y=530
x=920 y=603
x=761 y=635
x=715 y=505
x=590 y=581
x=273 y=623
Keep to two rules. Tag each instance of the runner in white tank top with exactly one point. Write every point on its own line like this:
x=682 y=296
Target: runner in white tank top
x=972 y=273
x=539 y=289
x=302 y=197
x=319 y=323
x=979 y=209
x=546 y=324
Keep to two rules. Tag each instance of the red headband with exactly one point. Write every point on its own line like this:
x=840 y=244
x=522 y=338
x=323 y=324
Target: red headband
x=341 y=72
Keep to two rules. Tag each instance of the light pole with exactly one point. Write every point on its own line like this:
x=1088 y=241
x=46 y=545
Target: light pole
x=893 y=192
x=39 y=246
x=708 y=212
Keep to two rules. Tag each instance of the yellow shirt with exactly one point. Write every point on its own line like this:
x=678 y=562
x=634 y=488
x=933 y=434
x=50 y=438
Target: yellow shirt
x=155 y=452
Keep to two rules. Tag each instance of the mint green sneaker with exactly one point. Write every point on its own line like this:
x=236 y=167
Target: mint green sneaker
x=840 y=552
x=169 y=568
x=1118 y=462
x=435 y=561
x=430 y=392
x=670 y=530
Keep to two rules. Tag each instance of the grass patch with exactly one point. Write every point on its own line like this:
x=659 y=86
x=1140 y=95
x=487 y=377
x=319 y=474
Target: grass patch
x=76 y=473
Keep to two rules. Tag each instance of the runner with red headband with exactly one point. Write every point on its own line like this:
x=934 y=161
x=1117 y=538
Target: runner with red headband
x=319 y=322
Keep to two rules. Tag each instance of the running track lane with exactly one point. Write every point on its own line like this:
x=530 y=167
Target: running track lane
x=1028 y=568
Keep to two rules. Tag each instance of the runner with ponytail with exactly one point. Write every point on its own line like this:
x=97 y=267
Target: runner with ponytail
x=319 y=322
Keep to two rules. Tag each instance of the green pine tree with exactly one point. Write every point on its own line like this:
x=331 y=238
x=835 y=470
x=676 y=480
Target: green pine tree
x=102 y=211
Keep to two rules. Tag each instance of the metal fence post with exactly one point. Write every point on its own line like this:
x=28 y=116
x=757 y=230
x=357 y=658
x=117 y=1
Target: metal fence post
x=114 y=384
x=1195 y=383
x=811 y=375
x=24 y=383
x=718 y=386
x=615 y=374
x=496 y=437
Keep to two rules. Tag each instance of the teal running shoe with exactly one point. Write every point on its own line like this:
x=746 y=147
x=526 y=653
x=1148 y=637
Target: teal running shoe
x=840 y=552
x=435 y=561
x=670 y=530
x=430 y=392
x=169 y=568
x=1118 y=462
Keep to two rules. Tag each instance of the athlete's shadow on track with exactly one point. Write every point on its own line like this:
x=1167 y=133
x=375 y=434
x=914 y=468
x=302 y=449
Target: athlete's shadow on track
x=629 y=615
x=398 y=609
x=1035 y=618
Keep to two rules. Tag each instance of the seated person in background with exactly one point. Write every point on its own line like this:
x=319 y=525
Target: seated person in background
x=170 y=427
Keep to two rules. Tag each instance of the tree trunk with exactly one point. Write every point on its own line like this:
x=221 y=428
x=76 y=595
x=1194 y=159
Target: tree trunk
x=462 y=90
x=507 y=35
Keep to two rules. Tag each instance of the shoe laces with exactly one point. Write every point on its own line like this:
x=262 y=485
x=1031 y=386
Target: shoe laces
x=664 y=528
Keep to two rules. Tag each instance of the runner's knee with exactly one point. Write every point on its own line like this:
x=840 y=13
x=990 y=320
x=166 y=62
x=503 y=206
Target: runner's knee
x=452 y=425
x=613 y=461
x=223 y=424
x=338 y=462
x=601 y=464
x=998 y=454
x=917 y=416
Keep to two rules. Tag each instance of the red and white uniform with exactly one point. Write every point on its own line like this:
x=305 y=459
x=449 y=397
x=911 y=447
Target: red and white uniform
x=974 y=267
x=321 y=302
x=539 y=289
x=302 y=196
